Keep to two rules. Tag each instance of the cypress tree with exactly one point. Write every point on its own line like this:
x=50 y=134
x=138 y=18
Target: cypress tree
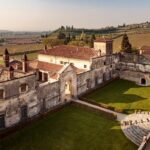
x=126 y=46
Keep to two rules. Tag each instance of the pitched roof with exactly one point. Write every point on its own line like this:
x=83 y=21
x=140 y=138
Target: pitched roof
x=104 y=40
x=78 y=70
x=48 y=66
x=71 y=52
x=55 y=76
x=145 y=48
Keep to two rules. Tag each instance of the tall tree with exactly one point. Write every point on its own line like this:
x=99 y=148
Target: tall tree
x=91 y=42
x=125 y=45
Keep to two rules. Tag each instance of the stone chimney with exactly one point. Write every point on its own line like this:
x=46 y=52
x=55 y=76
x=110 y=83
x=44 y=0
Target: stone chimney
x=6 y=58
x=24 y=63
x=11 y=72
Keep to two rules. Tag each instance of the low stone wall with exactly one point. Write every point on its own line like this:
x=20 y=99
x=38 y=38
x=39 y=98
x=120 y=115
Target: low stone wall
x=20 y=125
x=101 y=105
x=100 y=112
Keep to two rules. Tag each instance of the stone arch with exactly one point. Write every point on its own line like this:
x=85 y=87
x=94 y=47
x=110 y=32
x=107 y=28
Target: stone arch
x=68 y=84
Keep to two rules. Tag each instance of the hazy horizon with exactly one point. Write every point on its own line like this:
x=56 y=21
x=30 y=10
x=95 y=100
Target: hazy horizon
x=45 y=15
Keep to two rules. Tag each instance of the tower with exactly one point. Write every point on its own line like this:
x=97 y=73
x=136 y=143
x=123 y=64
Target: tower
x=6 y=58
x=24 y=63
x=105 y=45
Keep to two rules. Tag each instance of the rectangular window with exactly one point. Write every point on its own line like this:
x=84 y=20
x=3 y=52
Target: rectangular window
x=1 y=94
x=85 y=66
x=45 y=77
x=40 y=76
x=23 y=87
x=61 y=62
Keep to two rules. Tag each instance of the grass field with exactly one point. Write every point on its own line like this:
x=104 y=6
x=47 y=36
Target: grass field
x=69 y=129
x=137 y=40
x=124 y=95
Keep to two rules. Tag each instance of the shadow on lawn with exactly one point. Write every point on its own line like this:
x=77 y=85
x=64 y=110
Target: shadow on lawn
x=116 y=93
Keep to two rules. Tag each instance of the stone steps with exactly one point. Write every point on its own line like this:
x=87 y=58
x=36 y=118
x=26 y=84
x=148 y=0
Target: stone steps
x=136 y=126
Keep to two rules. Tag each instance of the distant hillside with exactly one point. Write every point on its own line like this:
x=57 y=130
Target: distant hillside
x=108 y=31
x=21 y=34
x=139 y=34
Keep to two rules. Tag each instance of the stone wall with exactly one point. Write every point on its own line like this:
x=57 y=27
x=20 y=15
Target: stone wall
x=102 y=69
x=38 y=98
x=135 y=72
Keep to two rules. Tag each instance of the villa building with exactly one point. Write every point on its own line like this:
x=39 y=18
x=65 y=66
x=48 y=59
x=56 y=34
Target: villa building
x=60 y=74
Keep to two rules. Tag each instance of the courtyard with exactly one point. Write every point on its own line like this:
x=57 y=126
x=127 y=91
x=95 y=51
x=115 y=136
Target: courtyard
x=71 y=128
x=122 y=95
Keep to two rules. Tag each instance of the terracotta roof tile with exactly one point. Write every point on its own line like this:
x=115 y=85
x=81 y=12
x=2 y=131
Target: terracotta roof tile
x=145 y=48
x=54 y=76
x=71 y=52
x=48 y=66
x=32 y=65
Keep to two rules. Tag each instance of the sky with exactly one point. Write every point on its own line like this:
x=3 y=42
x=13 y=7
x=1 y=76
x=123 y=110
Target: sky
x=43 y=15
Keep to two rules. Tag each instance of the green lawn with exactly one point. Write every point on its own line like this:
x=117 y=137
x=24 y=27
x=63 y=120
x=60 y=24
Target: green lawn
x=69 y=129
x=124 y=95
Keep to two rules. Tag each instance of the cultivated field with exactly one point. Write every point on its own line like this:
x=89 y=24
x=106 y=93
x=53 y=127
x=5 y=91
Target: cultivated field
x=137 y=40
x=69 y=129
x=124 y=95
x=21 y=48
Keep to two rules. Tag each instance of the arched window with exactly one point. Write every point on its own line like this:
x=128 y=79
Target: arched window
x=143 y=81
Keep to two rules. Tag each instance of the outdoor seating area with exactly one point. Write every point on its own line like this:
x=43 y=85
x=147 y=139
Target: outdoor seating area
x=136 y=127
